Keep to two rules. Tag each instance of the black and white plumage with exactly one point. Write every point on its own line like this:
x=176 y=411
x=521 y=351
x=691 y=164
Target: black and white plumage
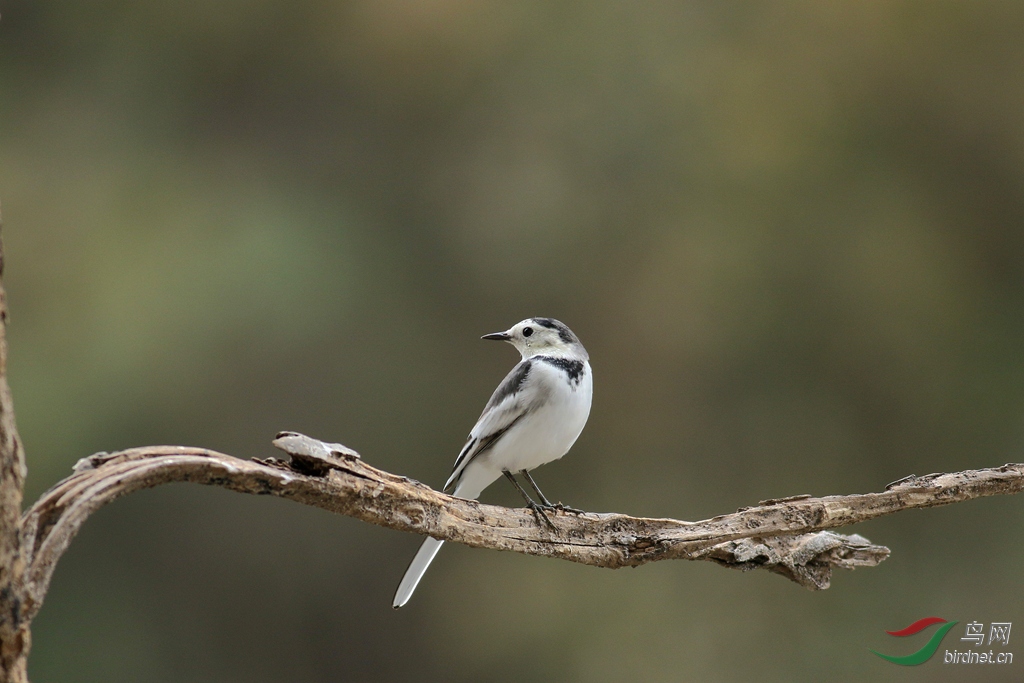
x=534 y=417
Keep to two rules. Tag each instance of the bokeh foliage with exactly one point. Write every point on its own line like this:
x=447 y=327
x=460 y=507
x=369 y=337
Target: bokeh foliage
x=791 y=235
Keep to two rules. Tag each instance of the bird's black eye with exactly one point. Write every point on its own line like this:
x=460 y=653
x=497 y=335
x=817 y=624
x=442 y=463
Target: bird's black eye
x=527 y=331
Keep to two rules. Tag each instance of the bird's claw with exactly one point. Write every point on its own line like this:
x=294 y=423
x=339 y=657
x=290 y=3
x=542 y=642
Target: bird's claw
x=538 y=510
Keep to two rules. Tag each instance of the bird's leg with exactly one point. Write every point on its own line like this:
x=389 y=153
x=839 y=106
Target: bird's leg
x=524 y=494
x=540 y=494
x=547 y=503
x=537 y=509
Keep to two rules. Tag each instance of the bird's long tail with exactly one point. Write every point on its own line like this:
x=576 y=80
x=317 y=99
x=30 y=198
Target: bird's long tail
x=417 y=568
x=470 y=486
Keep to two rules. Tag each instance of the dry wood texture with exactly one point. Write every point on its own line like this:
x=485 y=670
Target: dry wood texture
x=789 y=536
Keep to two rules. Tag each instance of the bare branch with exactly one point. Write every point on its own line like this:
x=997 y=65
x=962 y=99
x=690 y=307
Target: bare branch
x=787 y=536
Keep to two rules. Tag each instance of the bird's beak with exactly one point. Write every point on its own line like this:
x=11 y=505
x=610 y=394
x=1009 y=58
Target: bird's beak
x=499 y=336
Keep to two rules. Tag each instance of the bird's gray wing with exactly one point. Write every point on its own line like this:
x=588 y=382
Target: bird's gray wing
x=507 y=405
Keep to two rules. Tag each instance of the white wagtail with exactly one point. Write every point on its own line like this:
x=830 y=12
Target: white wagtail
x=533 y=417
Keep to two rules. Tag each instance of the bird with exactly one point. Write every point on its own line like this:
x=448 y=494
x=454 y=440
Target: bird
x=532 y=418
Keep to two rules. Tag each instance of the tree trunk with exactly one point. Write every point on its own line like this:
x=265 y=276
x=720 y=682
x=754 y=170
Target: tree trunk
x=15 y=638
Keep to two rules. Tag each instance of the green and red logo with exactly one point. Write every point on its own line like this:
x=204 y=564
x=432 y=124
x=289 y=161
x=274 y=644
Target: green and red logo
x=926 y=652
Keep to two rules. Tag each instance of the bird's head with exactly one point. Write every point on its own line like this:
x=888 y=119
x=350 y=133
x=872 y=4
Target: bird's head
x=542 y=336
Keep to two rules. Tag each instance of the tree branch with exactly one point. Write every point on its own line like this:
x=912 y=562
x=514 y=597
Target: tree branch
x=788 y=536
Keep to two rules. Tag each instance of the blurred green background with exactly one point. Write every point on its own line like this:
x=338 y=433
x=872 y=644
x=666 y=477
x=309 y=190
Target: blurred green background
x=790 y=234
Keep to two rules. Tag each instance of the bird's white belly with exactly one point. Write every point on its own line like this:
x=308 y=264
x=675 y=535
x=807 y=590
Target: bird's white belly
x=547 y=433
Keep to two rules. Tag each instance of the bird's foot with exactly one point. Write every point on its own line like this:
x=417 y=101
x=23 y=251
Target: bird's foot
x=538 y=510
x=560 y=507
